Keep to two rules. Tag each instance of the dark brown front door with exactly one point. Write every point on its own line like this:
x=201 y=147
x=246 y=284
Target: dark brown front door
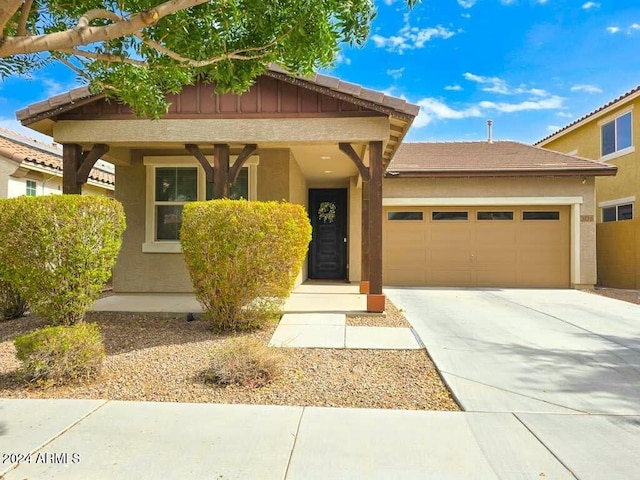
x=328 y=249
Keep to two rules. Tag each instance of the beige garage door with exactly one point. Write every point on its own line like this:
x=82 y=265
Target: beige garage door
x=477 y=246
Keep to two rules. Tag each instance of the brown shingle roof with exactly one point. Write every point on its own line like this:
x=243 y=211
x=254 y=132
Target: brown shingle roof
x=612 y=104
x=22 y=149
x=506 y=158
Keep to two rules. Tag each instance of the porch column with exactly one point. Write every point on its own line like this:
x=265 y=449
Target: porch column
x=221 y=169
x=364 y=277
x=375 y=298
x=71 y=161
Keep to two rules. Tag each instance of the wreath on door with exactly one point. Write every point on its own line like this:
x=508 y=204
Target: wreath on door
x=327 y=212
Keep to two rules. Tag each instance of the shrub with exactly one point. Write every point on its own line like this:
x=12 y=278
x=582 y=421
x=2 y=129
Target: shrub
x=58 y=251
x=243 y=258
x=244 y=361
x=61 y=354
x=12 y=305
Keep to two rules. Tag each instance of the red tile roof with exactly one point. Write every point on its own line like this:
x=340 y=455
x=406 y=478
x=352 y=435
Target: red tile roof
x=23 y=149
x=503 y=158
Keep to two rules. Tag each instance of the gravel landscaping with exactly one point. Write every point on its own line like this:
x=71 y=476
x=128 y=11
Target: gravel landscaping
x=631 y=296
x=163 y=359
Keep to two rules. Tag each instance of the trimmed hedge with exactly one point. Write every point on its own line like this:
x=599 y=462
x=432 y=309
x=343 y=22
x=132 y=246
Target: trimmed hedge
x=61 y=354
x=58 y=251
x=12 y=305
x=243 y=258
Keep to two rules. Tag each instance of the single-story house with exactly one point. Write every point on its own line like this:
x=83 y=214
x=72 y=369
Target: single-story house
x=29 y=167
x=325 y=144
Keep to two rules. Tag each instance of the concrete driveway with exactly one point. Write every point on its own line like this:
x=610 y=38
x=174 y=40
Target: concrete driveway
x=553 y=351
x=564 y=363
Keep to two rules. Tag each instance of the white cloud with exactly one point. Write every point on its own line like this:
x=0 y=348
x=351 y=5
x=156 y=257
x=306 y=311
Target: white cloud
x=466 y=15
x=466 y=3
x=507 y=2
x=434 y=109
x=411 y=38
x=498 y=85
x=395 y=73
x=633 y=27
x=453 y=88
x=549 y=103
x=341 y=59
x=51 y=87
x=553 y=128
x=564 y=115
x=586 y=89
x=589 y=5
x=613 y=30
x=542 y=2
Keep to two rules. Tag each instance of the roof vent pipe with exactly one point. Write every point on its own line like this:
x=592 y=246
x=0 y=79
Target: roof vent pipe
x=489 y=125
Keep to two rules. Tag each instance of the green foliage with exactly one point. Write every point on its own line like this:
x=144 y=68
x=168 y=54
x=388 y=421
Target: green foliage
x=61 y=354
x=229 y=43
x=12 y=305
x=243 y=257
x=58 y=251
x=244 y=361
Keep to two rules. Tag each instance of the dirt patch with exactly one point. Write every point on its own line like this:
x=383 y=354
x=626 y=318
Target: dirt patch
x=163 y=359
x=631 y=296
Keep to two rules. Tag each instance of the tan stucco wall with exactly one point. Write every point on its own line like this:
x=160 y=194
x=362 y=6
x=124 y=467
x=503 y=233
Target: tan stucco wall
x=7 y=167
x=136 y=271
x=298 y=194
x=512 y=187
x=618 y=242
x=355 y=230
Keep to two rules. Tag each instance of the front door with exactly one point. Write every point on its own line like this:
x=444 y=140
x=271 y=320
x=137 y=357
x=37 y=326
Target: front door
x=328 y=248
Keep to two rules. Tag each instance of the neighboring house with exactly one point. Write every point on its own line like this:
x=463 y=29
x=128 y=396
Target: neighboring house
x=489 y=214
x=610 y=134
x=325 y=144
x=29 y=167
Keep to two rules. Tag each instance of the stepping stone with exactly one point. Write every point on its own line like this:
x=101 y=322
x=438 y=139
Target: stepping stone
x=314 y=319
x=308 y=336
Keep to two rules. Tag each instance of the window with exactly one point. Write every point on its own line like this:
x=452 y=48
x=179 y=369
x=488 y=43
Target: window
x=449 y=215
x=616 y=134
x=550 y=215
x=172 y=182
x=616 y=213
x=495 y=216
x=404 y=216
x=31 y=188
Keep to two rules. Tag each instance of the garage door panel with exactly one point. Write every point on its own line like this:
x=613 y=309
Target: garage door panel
x=487 y=249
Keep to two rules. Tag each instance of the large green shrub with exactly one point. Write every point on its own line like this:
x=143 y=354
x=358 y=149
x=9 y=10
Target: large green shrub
x=12 y=305
x=61 y=354
x=243 y=257
x=58 y=251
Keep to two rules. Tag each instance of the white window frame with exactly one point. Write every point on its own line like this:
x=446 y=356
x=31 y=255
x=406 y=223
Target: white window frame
x=616 y=203
x=151 y=245
x=26 y=188
x=613 y=118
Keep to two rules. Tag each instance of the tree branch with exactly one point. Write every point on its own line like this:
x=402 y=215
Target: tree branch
x=84 y=35
x=24 y=17
x=7 y=9
x=102 y=56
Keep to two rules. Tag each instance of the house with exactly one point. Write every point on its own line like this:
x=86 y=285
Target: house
x=321 y=143
x=609 y=134
x=29 y=167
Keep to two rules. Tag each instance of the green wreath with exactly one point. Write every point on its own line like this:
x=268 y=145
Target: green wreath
x=327 y=212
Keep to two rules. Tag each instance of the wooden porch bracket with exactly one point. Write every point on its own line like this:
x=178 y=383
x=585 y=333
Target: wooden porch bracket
x=221 y=169
x=194 y=150
x=77 y=165
x=351 y=153
x=246 y=152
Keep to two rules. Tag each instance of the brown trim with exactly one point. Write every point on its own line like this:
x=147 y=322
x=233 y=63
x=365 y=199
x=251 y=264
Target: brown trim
x=194 y=150
x=55 y=111
x=364 y=274
x=375 y=217
x=246 y=152
x=214 y=116
x=341 y=96
x=503 y=173
x=351 y=153
x=71 y=161
x=221 y=169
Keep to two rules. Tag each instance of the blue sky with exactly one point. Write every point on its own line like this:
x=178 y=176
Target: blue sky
x=531 y=66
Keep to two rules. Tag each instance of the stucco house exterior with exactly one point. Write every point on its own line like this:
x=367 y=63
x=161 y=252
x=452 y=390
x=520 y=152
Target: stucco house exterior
x=324 y=144
x=29 y=167
x=609 y=134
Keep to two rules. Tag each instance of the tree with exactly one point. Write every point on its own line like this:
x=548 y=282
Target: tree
x=139 y=50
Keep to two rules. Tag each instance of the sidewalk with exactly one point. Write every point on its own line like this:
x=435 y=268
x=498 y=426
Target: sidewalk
x=92 y=439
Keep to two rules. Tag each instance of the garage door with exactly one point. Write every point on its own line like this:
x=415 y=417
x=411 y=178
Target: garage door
x=477 y=246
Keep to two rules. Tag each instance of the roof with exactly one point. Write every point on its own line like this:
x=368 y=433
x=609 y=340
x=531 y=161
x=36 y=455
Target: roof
x=387 y=103
x=502 y=158
x=616 y=102
x=26 y=150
